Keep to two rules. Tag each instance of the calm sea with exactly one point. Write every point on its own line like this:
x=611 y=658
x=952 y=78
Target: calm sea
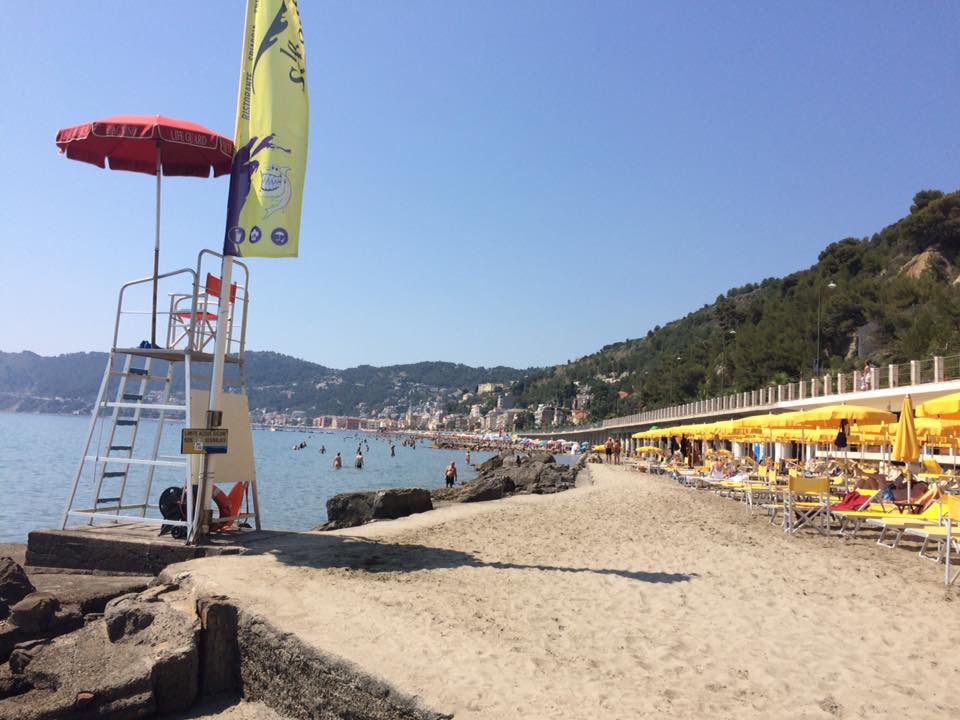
x=39 y=456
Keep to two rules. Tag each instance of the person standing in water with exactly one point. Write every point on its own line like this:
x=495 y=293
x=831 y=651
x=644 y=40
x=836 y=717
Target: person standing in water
x=468 y=456
x=337 y=462
x=323 y=449
x=393 y=450
x=358 y=462
x=450 y=476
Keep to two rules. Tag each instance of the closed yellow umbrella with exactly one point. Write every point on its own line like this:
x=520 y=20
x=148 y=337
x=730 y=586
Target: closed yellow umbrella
x=906 y=447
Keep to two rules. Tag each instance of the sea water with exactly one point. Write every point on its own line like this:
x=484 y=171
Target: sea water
x=39 y=456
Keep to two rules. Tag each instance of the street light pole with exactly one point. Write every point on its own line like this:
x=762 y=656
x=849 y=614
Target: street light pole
x=723 y=366
x=816 y=363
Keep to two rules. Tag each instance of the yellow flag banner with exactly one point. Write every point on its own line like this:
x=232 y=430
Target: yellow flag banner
x=270 y=155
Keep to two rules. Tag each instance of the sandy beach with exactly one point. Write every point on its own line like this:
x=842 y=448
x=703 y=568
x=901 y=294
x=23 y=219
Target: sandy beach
x=631 y=597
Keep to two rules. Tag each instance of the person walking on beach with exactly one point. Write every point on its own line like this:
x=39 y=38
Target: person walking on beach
x=450 y=476
x=337 y=462
x=617 y=449
x=608 y=449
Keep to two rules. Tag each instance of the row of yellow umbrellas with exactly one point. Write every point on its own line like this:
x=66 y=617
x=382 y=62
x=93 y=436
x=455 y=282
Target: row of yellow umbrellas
x=937 y=424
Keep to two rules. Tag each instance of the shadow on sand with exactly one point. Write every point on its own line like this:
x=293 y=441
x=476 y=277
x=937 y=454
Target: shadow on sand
x=321 y=551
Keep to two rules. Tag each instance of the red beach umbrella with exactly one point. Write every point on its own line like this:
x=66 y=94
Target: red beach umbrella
x=150 y=144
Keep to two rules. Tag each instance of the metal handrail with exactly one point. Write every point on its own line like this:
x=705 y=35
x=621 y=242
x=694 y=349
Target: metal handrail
x=908 y=374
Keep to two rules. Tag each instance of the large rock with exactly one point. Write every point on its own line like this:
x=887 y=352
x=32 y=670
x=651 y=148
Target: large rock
x=527 y=475
x=90 y=592
x=349 y=510
x=482 y=489
x=124 y=617
x=151 y=667
x=542 y=457
x=62 y=621
x=35 y=611
x=490 y=465
x=400 y=502
x=14 y=584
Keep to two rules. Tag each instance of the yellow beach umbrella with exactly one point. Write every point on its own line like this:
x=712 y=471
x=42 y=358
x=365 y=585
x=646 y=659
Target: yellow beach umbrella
x=824 y=416
x=906 y=447
x=648 y=449
x=945 y=407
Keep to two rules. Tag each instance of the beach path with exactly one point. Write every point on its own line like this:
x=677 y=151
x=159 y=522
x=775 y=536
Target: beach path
x=631 y=597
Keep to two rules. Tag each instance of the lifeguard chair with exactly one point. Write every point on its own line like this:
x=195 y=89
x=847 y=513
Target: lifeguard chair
x=132 y=452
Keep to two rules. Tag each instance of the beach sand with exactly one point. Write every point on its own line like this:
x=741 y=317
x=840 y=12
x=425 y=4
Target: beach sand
x=632 y=597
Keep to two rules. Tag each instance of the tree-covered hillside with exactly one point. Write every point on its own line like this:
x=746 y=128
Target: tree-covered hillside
x=887 y=298
x=277 y=382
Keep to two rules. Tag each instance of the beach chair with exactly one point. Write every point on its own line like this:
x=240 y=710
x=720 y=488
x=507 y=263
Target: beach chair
x=798 y=513
x=932 y=516
x=947 y=537
x=881 y=509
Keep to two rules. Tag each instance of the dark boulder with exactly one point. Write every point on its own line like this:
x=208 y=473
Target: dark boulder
x=14 y=584
x=40 y=624
x=528 y=474
x=542 y=458
x=35 y=611
x=126 y=616
x=400 y=502
x=482 y=489
x=490 y=465
x=349 y=510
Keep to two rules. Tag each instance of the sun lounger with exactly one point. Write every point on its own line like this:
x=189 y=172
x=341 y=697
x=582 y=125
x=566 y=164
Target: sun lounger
x=946 y=536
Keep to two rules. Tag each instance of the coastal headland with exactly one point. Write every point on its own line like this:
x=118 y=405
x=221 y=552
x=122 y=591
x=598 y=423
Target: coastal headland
x=629 y=597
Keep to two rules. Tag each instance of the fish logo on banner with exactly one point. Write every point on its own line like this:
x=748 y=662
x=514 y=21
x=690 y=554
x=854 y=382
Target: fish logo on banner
x=270 y=160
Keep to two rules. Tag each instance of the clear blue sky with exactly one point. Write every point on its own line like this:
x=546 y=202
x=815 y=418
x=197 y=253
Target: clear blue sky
x=511 y=183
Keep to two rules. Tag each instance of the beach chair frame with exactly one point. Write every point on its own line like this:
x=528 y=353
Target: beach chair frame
x=817 y=514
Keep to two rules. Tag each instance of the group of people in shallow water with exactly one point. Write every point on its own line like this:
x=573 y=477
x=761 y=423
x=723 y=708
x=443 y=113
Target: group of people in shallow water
x=450 y=473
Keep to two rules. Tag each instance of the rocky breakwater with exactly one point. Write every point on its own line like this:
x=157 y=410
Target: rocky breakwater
x=512 y=473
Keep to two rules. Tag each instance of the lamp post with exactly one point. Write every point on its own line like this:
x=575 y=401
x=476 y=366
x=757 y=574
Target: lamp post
x=676 y=383
x=816 y=363
x=723 y=366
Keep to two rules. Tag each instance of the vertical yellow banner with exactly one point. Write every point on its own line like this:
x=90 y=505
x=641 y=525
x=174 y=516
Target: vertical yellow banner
x=270 y=155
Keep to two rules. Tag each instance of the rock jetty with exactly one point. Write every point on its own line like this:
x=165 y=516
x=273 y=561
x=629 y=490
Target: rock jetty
x=509 y=473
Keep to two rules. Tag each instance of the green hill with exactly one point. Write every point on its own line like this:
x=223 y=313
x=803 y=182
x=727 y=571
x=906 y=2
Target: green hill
x=897 y=297
x=69 y=383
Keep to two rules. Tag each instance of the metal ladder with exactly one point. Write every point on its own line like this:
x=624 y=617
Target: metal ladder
x=119 y=453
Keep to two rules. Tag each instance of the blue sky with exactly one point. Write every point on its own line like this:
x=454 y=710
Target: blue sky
x=490 y=183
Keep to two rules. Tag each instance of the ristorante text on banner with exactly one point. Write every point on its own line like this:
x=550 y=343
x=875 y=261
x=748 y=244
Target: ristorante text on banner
x=270 y=156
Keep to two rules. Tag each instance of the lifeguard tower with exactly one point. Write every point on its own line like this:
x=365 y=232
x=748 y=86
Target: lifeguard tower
x=132 y=461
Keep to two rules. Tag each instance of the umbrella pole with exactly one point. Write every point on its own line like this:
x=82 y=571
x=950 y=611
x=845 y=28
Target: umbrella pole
x=156 y=259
